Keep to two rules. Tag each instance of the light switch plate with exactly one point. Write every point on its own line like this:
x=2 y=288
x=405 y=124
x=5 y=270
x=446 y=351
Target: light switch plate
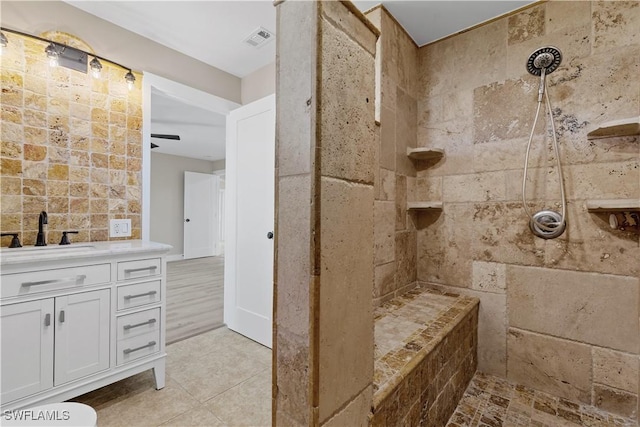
x=120 y=228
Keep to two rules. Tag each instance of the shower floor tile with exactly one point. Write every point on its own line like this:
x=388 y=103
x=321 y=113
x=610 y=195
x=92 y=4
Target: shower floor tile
x=495 y=402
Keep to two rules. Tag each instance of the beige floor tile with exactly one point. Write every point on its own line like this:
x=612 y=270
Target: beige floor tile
x=198 y=369
x=247 y=404
x=212 y=341
x=208 y=375
x=200 y=344
x=195 y=417
x=148 y=407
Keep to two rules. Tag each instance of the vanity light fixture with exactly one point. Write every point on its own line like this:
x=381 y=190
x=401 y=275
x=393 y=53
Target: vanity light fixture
x=71 y=57
x=52 y=54
x=130 y=78
x=3 y=42
x=96 y=68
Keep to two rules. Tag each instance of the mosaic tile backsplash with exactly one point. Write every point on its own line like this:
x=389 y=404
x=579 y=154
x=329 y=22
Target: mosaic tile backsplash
x=71 y=145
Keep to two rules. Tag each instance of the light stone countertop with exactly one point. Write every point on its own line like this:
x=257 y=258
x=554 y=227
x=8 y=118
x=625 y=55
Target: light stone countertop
x=82 y=250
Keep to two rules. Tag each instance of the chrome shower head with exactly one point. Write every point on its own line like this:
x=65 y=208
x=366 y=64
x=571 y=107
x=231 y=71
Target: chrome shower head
x=548 y=57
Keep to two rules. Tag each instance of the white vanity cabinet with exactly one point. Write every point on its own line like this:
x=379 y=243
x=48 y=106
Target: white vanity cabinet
x=82 y=335
x=74 y=321
x=27 y=348
x=71 y=333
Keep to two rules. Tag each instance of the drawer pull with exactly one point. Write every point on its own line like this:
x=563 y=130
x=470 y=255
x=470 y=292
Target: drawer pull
x=131 y=350
x=148 y=322
x=133 y=270
x=150 y=293
x=47 y=319
x=78 y=278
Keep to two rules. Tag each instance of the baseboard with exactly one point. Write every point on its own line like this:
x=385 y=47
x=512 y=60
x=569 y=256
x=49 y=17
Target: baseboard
x=175 y=257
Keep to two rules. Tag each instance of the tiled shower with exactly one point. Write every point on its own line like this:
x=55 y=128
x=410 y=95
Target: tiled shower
x=557 y=316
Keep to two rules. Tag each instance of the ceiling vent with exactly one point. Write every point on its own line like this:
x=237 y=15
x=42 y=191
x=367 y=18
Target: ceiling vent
x=259 y=37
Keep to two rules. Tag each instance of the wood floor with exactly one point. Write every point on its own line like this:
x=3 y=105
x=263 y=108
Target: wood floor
x=194 y=297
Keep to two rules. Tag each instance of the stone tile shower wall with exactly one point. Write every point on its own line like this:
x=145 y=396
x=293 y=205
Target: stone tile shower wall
x=325 y=139
x=395 y=232
x=560 y=316
x=71 y=145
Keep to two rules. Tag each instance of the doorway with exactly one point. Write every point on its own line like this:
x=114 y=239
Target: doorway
x=180 y=176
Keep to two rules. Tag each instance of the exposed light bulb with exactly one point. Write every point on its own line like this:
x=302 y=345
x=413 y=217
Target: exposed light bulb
x=131 y=79
x=52 y=54
x=96 y=68
x=3 y=42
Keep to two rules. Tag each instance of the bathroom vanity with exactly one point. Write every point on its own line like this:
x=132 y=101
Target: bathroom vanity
x=78 y=317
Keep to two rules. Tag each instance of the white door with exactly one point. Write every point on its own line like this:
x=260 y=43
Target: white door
x=249 y=217
x=200 y=214
x=82 y=335
x=26 y=354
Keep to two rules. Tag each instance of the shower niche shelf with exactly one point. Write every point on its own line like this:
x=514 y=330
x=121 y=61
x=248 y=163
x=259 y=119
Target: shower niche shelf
x=423 y=153
x=423 y=206
x=614 y=128
x=613 y=205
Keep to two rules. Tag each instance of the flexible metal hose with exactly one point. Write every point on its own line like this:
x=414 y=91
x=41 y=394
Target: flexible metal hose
x=542 y=92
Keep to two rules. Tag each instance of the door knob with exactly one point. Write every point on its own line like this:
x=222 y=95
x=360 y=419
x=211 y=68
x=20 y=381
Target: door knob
x=270 y=235
x=187 y=220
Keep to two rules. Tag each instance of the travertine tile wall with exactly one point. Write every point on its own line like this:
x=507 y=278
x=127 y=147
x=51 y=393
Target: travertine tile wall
x=560 y=316
x=395 y=232
x=71 y=145
x=325 y=145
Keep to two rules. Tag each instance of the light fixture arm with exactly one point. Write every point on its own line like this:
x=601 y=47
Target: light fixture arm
x=62 y=45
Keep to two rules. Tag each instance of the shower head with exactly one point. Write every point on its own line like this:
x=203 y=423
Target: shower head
x=548 y=57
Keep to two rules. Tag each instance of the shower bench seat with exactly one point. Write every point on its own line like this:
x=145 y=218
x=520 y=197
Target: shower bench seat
x=425 y=355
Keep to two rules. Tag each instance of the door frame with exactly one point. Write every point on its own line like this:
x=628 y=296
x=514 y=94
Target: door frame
x=195 y=96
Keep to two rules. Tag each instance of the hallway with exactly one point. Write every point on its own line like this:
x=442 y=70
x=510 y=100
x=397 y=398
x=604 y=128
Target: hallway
x=194 y=297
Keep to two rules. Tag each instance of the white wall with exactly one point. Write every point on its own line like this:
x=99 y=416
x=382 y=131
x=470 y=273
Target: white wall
x=167 y=197
x=219 y=165
x=120 y=45
x=259 y=84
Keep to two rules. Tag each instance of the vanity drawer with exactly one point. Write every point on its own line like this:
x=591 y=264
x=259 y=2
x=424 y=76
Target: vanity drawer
x=50 y=280
x=141 y=323
x=138 y=269
x=136 y=347
x=138 y=294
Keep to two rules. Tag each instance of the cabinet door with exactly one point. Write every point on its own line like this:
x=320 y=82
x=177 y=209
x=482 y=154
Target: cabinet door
x=82 y=335
x=26 y=353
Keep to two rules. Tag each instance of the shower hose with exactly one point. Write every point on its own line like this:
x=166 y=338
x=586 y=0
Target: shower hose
x=542 y=92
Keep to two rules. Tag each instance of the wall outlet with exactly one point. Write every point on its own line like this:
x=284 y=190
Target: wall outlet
x=119 y=228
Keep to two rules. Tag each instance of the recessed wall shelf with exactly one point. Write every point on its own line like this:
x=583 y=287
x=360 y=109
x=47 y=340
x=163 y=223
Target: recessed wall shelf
x=424 y=206
x=423 y=153
x=623 y=127
x=613 y=205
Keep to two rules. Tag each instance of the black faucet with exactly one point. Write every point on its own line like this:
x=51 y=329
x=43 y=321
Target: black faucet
x=65 y=238
x=15 y=242
x=42 y=220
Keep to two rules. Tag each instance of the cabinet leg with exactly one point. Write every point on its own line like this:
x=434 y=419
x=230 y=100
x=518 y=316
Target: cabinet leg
x=158 y=373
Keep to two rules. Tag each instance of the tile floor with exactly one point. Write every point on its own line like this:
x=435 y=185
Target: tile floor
x=493 y=402
x=219 y=378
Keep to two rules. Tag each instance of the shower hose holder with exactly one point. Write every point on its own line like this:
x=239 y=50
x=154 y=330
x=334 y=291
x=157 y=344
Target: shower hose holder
x=549 y=219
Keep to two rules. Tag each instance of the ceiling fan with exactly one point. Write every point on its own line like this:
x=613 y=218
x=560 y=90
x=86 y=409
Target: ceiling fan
x=163 y=136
